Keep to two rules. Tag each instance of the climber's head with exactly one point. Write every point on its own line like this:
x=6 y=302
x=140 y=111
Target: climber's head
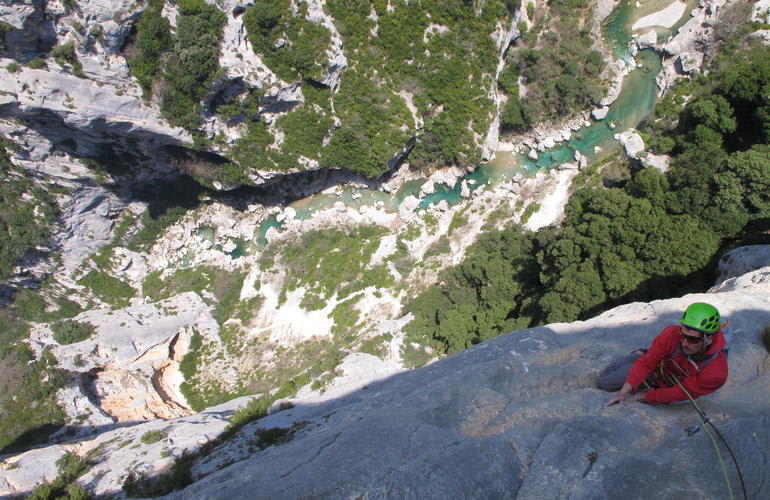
x=699 y=322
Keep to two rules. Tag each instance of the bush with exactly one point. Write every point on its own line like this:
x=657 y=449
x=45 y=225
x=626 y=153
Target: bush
x=13 y=67
x=70 y=332
x=108 y=288
x=37 y=63
x=30 y=409
x=26 y=214
x=65 y=55
x=65 y=485
x=153 y=38
x=151 y=437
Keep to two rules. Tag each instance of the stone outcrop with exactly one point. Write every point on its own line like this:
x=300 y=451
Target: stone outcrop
x=129 y=367
x=519 y=416
x=634 y=147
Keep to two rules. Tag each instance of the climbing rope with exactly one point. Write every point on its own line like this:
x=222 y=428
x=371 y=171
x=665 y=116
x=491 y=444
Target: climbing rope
x=706 y=420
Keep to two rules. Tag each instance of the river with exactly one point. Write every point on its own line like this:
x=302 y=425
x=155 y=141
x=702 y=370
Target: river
x=635 y=102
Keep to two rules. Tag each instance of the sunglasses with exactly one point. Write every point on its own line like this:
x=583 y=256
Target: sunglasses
x=690 y=339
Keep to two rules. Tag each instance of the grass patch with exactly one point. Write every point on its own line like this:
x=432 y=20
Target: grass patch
x=27 y=212
x=151 y=437
x=27 y=393
x=70 y=332
x=376 y=346
x=274 y=436
x=226 y=288
x=153 y=227
x=439 y=247
x=107 y=288
x=66 y=57
x=415 y=356
x=31 y=306
x=529 y=212
x=331 y=261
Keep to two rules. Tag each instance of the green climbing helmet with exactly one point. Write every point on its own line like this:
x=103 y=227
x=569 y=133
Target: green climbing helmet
x=702 y=317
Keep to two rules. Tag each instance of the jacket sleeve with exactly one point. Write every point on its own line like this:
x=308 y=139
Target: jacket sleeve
x=711 y=378
x=660 y=348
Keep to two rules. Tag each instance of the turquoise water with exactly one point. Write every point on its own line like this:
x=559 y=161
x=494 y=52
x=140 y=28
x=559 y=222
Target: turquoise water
x=634 y=103
x=270 y=222
x=207 y=233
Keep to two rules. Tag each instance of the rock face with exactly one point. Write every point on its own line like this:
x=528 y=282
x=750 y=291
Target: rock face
x=516 y=416
x=519 y=416
x=129 y=369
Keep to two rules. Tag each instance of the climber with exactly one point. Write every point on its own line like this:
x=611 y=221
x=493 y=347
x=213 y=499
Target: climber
x=691 y=352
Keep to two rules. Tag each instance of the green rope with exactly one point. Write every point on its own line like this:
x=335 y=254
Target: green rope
x=721 y=461
x=705 y=420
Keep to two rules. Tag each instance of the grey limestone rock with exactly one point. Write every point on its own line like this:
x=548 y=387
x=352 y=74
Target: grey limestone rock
x=519 y=417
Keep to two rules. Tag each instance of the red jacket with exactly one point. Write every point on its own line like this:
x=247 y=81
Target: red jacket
x=698 y=379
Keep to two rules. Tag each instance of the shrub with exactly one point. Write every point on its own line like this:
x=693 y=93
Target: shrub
x=30 y=409
x=65 y=55
x=150 y=437
x=65 y=485
x=70 y=332
x=37 y=63
x=108 y=288
x=13 y=67
x=274 y=436
x=26 y=211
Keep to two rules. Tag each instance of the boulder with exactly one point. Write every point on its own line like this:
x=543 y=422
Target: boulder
x=632 y=143
x=659 y=162
x=600 y=113
x=760 y=12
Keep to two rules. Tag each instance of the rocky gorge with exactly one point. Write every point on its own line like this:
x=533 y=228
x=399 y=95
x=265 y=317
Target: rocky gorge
x=129 y=381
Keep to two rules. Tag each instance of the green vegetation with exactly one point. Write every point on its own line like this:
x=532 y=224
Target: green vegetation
x=192 y=65
x=274 y=436
x=69 y=331
x=150 y=437
x=293 y=47
x=5 y=28
x=37 y=63
x=186 y=63
x=65 y=56
x=531 y=209
x=447 y=74
x=31 y=306
x=559 y=68
x=225 y=287
x=655 y=237
x=330 y=262
x=65 y=485
x=153 y=227
x=108 y=288
x=13 y=67
x=153 y=38
x=27 y=211
x=376 y=346
x=27 y=390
